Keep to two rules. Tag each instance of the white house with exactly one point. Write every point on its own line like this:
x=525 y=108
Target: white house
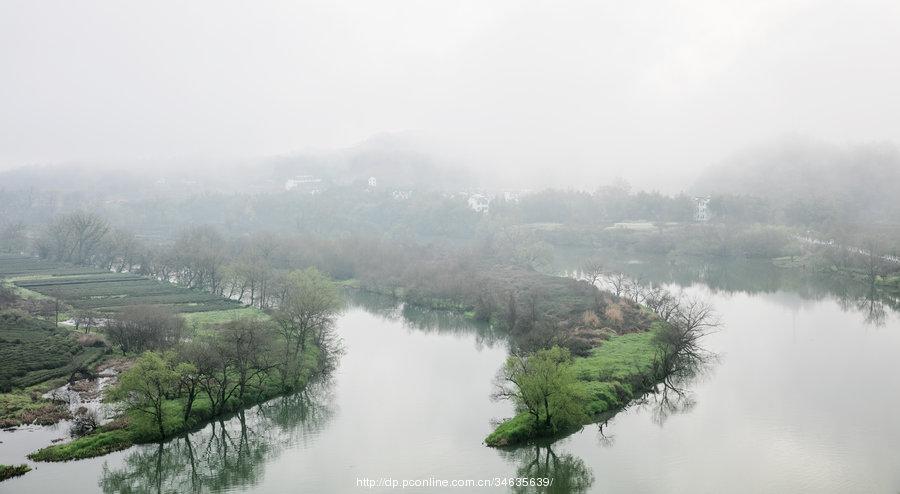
x=306 y=183
x=479 y=203
x=702 y=213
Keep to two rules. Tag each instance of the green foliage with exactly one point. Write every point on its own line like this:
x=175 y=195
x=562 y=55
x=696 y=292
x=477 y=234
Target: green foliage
x=618 y=359
x=139 y=385
x=10 y=471
x=21 y=407
x=544 y=386
x=516 y=430
x=206 y=319
x=33 y=351
x=608 y=379
x=144 y=387
x=96 y=444
x=311 y=303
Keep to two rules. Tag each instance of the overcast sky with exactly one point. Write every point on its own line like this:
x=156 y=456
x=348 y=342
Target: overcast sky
x=567 y=93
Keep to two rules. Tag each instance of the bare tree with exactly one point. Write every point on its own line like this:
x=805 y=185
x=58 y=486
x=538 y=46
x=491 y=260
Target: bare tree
x=617 y=282
x=199 y=258
x=87 y=319
x=12 y=237
x=145 y=327
x=636 y=291
x=592 y=270
x=663 y=303
x=678 y=341
x=75 y=237
x=873 y=258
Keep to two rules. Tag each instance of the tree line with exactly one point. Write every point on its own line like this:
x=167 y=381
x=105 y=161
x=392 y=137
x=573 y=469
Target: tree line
x=227 y=366
x=496 y=278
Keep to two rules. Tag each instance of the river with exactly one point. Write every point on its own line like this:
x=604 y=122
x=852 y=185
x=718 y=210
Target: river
x=801 y=397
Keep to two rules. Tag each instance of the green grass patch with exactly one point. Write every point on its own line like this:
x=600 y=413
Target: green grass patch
x=28 y=294
x=141 y=429
x=97 y=444
x=26 y=407
x=612 y=375
x=517 y=430
x=10 y=471
x=201 y=320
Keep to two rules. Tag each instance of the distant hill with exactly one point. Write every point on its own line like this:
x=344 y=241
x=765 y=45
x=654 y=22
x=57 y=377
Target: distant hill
x=394 y=160
x=853 y=184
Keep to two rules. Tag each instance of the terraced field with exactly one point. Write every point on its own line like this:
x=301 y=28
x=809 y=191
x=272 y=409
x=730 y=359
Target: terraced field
x=89 y=288
x=33 y=351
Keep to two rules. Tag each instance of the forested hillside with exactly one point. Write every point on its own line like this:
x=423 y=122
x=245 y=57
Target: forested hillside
x=809 y=182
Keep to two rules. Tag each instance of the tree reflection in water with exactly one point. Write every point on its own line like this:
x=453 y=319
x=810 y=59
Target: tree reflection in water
x=872 y=305
x=854 y=294
x=226 y=453
x=426 y=320
x=569 y=473
x=674 y=395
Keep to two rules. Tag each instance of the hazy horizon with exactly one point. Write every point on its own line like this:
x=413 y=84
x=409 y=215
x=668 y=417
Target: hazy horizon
x=528 y=91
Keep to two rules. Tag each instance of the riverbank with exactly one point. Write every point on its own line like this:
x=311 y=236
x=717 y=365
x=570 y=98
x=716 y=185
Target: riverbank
x=35 y=357
x=616 y=372
x=134 y=428
x=536 y=310
x=225 y=365
x=611 y=337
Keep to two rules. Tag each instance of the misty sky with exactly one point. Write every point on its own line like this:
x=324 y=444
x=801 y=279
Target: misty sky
x=564 y=93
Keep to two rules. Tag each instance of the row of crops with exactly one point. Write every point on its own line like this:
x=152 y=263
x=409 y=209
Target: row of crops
x=19 y=266
x=33 y=351
x=86 y=288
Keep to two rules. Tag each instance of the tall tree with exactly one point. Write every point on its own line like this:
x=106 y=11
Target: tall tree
x=311 y=304
x=145 y=327
x=247 y=343
x=592 y=270
x=545 y=386
x=75 y=237
x=143 y=388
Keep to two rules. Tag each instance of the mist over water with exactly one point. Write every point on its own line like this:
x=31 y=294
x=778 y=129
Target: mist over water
x=306 y=245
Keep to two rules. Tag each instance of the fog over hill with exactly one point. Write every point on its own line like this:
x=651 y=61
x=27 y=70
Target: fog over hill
x=859 y=179
x=394 y=160
x=535 y=93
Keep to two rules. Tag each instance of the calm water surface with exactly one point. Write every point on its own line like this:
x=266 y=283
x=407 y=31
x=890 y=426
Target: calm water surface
x=802 y=398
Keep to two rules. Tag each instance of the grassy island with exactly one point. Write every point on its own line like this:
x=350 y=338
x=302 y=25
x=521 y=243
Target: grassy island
x=10 y=471
x=556 y=392
x=612 y=375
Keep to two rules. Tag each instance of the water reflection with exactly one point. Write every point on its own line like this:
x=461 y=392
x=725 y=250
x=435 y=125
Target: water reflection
x=747 y=276
x=225 y=454
x=426 y=320
x=872 y=305
x=667 y=400
x=569 y=474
